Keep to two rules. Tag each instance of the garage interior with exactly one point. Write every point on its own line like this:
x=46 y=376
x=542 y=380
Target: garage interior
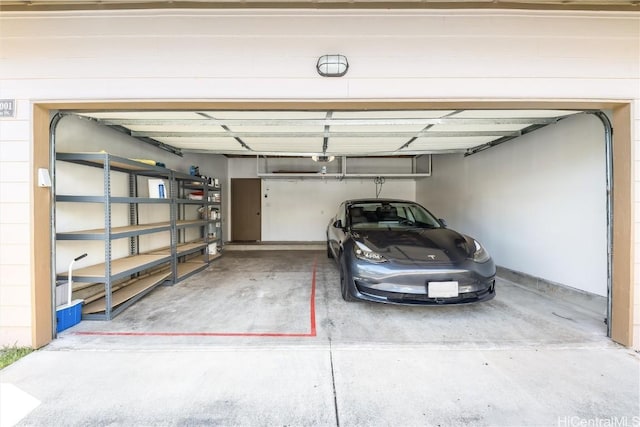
x=531 y=184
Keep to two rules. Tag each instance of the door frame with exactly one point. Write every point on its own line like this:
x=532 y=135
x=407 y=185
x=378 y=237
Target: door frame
x=622 y=281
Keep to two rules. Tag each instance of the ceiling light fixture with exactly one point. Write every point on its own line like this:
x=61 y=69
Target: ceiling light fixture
x=332 y=65
x=322 y=159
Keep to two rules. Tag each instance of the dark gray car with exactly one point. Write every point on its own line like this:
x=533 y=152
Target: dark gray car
x=395 y=251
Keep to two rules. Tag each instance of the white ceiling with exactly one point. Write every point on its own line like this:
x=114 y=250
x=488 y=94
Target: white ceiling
x=344 y=133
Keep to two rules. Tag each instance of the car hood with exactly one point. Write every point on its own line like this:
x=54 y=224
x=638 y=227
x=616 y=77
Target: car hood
x=439 y=245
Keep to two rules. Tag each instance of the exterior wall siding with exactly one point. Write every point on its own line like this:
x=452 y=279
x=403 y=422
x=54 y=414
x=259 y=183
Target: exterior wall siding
x=271 y=55
x=15 y=213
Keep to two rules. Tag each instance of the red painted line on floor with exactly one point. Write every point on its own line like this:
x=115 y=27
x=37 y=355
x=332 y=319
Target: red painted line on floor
x=195 y=334
x=312 y=305
x=312 y=333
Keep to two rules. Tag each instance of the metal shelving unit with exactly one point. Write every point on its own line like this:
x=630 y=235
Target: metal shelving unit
x=193 y=254
x=141 y=271
x=214 y=227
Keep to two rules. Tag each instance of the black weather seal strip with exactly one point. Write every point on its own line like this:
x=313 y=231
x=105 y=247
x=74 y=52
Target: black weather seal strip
x=504 y=139
x=226 y=128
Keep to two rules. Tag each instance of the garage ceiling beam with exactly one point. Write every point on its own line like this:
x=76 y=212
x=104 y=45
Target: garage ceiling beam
x=283 y=134
x=331 y=121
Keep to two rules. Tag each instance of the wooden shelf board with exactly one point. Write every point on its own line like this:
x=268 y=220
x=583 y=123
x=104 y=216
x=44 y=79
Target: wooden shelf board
x=97 y=160
x=126 y=293
x=117 y=230
x=90 y=293
x=166 y=251
x=117 y=266
x=184 y=247
x=78 y=286
x=185 y=268
x=184 y=223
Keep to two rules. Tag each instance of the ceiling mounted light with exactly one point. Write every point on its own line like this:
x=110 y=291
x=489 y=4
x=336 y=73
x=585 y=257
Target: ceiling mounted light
x=332 y=65
x=322 y=159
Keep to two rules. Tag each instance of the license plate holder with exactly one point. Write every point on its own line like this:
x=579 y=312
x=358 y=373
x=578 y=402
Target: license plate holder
x=442 y=289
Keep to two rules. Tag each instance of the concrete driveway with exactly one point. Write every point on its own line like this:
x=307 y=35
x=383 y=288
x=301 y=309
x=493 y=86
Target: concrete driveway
x=263 y=338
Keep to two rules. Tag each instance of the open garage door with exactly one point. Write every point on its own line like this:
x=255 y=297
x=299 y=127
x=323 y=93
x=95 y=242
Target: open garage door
x=389 y=147
x=330 y=133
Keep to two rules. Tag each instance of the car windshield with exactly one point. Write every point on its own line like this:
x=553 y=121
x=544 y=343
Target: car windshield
x=386 y=214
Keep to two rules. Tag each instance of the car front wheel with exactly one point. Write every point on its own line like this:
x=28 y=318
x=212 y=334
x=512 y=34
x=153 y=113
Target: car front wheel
x=344 y=287
x=329 y=253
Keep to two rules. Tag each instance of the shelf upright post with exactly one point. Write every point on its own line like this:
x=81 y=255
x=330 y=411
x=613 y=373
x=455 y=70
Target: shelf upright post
x=133 y=213
x=107 y=236
x=219 y=221
x=207 y=218
x=173 y=218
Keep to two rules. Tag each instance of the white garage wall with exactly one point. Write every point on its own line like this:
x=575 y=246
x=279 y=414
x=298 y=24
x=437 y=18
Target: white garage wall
x=300 y=209
x=79 y=135
x=270 y=55
x=538 y=203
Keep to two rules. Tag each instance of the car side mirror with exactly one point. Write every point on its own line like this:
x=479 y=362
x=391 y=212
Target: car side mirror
x=443 y=222
x=338 y=224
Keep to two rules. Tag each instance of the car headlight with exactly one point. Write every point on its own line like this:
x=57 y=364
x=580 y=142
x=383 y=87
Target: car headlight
x=363 y=252
x=480 y=254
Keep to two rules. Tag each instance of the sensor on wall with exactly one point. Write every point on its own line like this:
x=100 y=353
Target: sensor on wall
x=44 y=180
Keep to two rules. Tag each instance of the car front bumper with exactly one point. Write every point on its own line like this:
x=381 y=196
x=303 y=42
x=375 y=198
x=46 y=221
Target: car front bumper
x=402 y=284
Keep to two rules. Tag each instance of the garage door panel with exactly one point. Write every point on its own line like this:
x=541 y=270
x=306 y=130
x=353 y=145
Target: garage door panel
x=264 y=115
x=144 y=115
x=312 y=145
x=435 y=143
x=388 y=114
x=186 y=128
x=477 y=127
x=511 y=114
x=378 y=128
x=285 y=130
x=215 y=144
x=365 y=145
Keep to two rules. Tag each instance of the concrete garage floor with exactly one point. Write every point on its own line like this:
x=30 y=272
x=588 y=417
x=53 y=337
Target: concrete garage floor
x=248 y=343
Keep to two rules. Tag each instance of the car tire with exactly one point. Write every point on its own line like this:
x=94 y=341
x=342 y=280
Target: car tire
x=344 y=288
x=329 y=253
